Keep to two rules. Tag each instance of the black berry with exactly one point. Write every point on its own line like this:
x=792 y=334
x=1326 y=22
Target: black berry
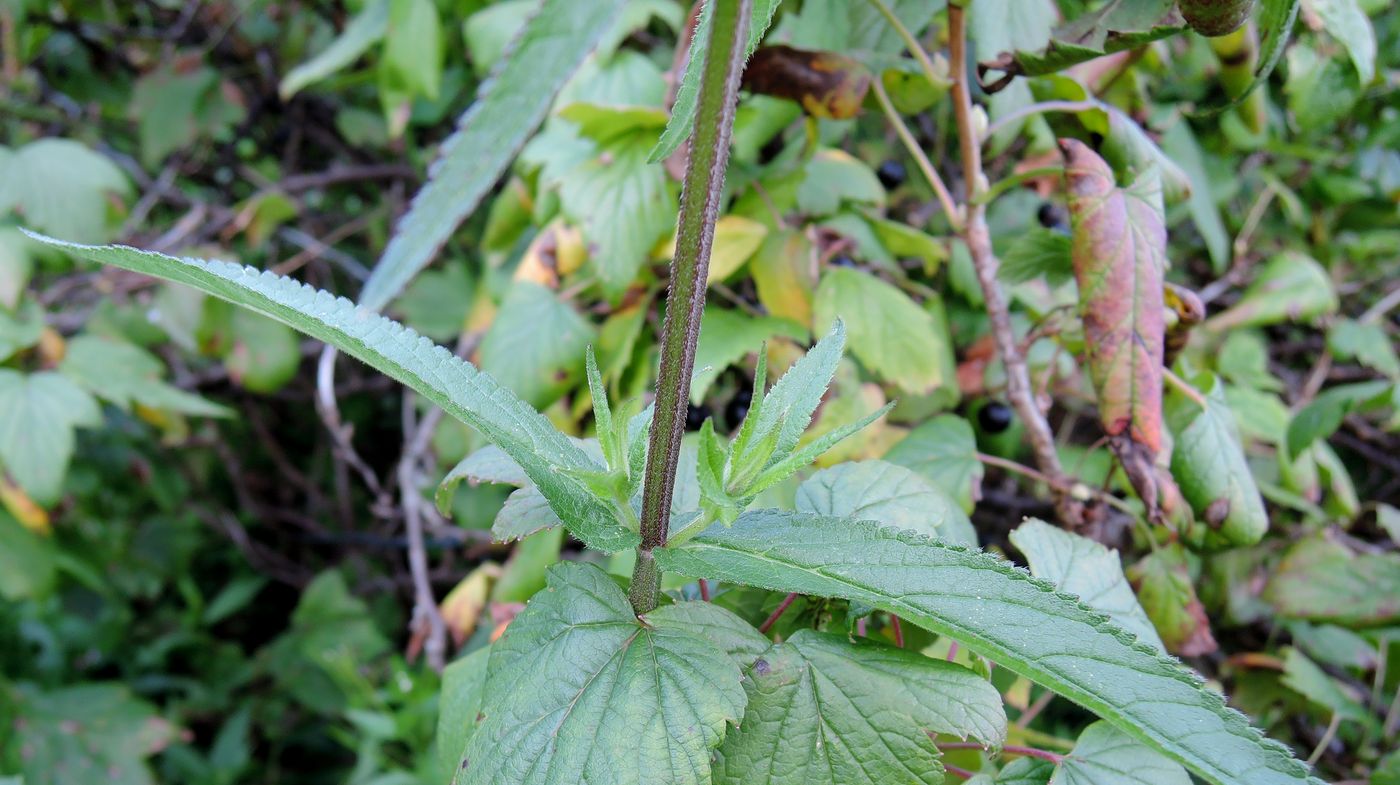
x=738 y=407
x=842 y=260
x=1052 y=216
x=770 y=150
x=695 y=416
x=891 y=173
x=994 y=417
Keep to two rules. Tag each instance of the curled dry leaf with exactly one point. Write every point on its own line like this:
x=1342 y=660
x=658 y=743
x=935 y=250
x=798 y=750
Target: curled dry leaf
x=1119 y=251
x=826 y=84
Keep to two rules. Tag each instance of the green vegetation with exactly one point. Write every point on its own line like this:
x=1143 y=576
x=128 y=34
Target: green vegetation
x=777 y=335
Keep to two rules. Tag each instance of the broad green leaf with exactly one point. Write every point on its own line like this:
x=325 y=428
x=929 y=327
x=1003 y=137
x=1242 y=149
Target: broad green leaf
x=124 y=374
x=1026 y=771
x=1321 y=90
x=1103 y=755
x=1181 y=145
x=61 y=187
x=1321 y=418
x=38 y=413
x=1020 y=622
x=1334 y=645
x=412 y=57
x=688 y=92
x=1322 y=581
x=511 y=105
x=733 y=635
x=624 y=205
x=1365 y=342
x=890 y=334
x=458 y=705
x=535 y=344
x=1345 y=21
x=887 y=494
x=1119 y=253
x=999 y=26
x=525 y=512
x=27 y=561
x=20 y=330
x=1112 y=27
x=360 y=33
x=466 y=393
x=578 y=690
x=824 y=710
x=1079 y=566
x=86 y=733
x=265 y=354
x=944 y=449
x=1291 y=287
x=16 y=265
x=1168 y=595
x=727 y=336
x=833 y=177
x=175 y=106
x=1304 y=677
x=1209 y=466
x=1034 y=253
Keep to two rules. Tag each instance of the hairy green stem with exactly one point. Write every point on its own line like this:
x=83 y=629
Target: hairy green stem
x=700 y=201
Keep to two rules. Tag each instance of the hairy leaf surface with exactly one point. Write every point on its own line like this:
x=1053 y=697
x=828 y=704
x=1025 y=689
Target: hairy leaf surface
x=458 y=387
x=579 y=691
x=1086 y=569
x=824 y=710
x=1020 y=622
x=888 y=494
x=512 y=104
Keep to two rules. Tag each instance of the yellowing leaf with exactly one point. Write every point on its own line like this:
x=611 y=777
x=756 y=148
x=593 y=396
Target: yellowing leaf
x=736 y=239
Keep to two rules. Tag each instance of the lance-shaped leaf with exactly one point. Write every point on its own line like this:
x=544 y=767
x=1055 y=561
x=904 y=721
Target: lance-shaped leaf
x=1022 y=623
x=578 y=690
x=824 y=710
x=1119 y=254
x=512 y=103
x=547 y=456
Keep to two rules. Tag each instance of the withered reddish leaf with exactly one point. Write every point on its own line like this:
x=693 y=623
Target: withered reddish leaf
x=1164 y=588
x=826 y=84
x=1119 y=252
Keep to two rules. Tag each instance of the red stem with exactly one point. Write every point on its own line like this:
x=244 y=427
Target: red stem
x=704 y=590
x=777 y=613
x=898 y=631
x=1010 y=749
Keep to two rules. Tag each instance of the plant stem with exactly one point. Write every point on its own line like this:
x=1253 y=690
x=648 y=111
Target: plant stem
x=911 y=145
x=777 y=613
x=1009 y=749
x=979 y=243
x=700 y=201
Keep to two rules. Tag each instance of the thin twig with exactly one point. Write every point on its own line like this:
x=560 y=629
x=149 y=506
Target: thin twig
x=1327 y=736
x=1184 y=387
x=1009 y=749
x=425 y=604
x=897 y=630
x=979 y=243
x=945 y=199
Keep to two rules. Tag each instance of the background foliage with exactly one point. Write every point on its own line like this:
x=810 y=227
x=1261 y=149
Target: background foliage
x=204 y=583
